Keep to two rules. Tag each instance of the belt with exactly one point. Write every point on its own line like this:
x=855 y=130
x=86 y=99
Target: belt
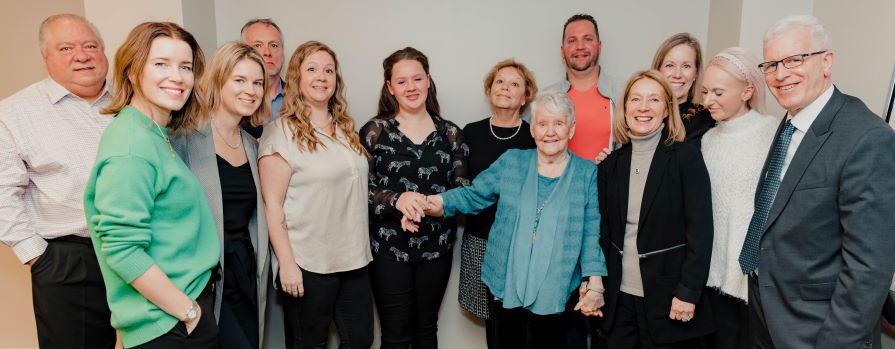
x=73 y=239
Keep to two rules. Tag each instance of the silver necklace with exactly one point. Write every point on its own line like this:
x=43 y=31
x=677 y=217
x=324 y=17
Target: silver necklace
x=224 y=139
x=491 y=127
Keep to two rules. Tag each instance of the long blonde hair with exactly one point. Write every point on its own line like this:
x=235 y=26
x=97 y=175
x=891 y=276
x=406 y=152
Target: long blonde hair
x=296 y=112
x=130 y=59
x=673 y=124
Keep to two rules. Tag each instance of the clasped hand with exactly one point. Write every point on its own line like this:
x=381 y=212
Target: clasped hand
x=414 y=206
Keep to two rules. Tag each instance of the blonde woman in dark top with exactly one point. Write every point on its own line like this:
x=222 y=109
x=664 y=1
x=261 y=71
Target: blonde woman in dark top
x=656 y=206
x=314 y=181
x=224 y=158
x=414 y=151
x=679 y=59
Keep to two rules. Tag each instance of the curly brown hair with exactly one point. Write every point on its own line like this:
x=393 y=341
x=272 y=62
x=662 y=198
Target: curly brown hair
x=296 y=112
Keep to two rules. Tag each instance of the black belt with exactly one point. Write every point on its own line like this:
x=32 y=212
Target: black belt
x=73 y=239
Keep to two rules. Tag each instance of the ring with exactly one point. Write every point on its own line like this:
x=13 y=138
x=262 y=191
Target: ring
x=685 y=319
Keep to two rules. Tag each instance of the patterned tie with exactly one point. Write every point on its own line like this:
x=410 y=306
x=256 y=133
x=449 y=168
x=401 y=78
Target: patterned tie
x=769 y=185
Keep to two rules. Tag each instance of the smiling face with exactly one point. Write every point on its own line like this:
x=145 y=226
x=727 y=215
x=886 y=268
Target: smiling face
x=74 y=57
x=409 y=84
x=167 y=78
x=508 y=89
x=317 y=82
x=242 y=91
x=580 y=46
x=796 y=88
x=645 y=107
x=724 y=95
x=679 y=66
x=551 y=131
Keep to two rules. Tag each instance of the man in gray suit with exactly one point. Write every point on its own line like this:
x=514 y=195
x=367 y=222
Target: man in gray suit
x=818 y=250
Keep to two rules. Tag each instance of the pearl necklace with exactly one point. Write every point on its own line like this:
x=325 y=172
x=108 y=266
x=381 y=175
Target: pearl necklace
x=491 y=127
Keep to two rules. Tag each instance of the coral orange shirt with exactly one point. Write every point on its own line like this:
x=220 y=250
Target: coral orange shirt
x=592 y=123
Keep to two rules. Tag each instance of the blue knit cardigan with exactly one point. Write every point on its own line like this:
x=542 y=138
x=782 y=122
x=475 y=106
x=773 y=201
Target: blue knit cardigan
x=579 y=254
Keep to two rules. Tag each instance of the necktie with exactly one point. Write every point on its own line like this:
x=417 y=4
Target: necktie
x=768 y=190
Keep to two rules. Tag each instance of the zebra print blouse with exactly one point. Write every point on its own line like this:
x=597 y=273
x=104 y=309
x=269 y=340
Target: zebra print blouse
x=398 y=165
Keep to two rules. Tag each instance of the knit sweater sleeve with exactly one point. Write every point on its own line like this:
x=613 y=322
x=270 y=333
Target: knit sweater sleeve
x=593 y=263
x=483 y=192
x=125 y=189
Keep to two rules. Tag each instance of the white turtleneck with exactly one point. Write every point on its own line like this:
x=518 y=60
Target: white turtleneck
x=734 y=153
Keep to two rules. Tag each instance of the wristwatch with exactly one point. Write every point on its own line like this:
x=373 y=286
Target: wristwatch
x=192 y=313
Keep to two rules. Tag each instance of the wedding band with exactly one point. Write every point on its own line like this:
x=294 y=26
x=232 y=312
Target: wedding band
x=686 y=319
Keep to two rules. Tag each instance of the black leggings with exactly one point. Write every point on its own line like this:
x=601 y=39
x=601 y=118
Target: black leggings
x=408 y=296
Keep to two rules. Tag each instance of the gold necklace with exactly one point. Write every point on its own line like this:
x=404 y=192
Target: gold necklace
x=164 y=136
x=224 y=139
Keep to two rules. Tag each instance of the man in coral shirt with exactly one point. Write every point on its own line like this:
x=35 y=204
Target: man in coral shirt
x=591 y=92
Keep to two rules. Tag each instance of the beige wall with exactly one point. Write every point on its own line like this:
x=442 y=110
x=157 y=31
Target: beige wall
x=865 y=51
x=23 y=67
x=20 y=20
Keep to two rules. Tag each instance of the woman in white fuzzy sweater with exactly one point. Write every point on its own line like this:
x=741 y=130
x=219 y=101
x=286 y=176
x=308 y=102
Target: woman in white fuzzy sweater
x=734 y=152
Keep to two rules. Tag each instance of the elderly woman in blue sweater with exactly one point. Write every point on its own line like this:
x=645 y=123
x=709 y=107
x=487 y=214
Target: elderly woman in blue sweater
x=543 y=245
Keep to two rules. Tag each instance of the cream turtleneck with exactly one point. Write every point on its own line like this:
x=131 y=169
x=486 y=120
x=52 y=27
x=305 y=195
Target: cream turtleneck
x=642 y=150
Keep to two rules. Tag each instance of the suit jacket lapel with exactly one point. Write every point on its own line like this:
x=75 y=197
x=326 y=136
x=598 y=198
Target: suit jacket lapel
x=811 y=143
x=622 y=173
x=203 y=162
x=654 y=178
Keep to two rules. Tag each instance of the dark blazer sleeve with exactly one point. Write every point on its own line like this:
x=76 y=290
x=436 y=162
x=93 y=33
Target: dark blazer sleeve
x=699 y=227
x=865 y=198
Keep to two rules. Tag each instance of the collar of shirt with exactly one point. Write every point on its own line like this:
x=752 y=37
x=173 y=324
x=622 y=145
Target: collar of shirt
x=280 y=90
x=55 y=91
x=806 y=116
x=440 y=124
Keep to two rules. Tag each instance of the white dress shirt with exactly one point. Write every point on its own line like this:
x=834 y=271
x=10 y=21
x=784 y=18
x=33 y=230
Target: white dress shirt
x=48 y=142
x=803 y=122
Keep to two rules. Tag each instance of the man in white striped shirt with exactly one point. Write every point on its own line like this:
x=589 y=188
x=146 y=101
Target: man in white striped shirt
x=49 y=133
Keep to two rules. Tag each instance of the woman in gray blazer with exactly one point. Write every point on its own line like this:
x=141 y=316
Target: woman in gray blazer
x=224 y=158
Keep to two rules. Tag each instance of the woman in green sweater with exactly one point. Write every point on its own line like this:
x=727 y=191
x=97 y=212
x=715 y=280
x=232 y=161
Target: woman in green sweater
x=147 y=214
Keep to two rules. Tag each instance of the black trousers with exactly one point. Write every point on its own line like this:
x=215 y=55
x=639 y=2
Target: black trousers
x=581 y=328
x=204 y=336
x=69 y=297
x=630 y=329
x=520 y=328
x=408 y=296
x=759 y=336
x=343 y=298
x=731 y=322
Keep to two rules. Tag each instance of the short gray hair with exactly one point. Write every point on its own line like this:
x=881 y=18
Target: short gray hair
x=251 y=22
x=556 y=102
x=42 y=32
x=819 y=35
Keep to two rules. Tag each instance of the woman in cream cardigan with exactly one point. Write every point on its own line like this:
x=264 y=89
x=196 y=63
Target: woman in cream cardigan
x=734 y=153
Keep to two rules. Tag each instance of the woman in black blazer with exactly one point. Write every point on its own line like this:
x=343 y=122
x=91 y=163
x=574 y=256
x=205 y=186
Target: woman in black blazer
x=655 y=202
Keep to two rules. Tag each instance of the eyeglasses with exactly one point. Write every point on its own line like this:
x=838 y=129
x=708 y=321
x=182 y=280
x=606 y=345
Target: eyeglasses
x=788 y=62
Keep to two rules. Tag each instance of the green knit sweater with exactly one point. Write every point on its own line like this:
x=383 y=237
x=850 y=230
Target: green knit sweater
x=145 y=207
